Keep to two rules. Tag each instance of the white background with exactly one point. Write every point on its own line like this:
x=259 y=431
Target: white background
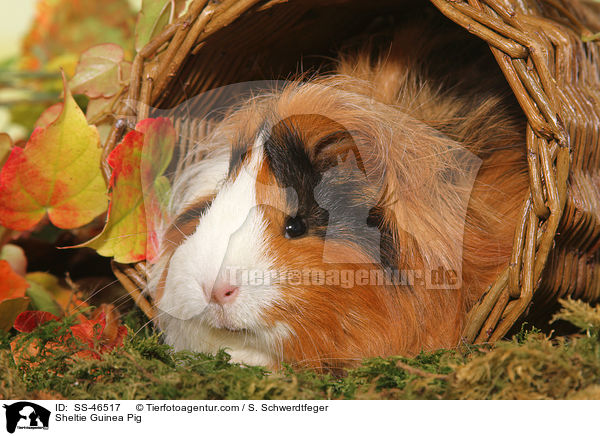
x=343 y=417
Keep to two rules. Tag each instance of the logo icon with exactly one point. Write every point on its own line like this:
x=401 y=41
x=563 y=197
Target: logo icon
x=26 y=415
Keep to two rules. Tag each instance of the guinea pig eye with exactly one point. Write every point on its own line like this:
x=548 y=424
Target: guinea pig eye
x=294 y=227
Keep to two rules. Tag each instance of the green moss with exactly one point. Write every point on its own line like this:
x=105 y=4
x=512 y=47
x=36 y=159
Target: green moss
x=530 y=365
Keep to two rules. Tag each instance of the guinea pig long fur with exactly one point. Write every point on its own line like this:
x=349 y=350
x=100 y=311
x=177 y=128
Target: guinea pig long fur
x=385 y=165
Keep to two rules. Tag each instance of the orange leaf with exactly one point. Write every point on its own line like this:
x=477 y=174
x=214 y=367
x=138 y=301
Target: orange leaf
x=12 y=295
x=12 y=285
x=113 y=333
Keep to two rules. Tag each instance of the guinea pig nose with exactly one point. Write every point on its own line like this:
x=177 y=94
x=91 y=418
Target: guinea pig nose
x=224 y=294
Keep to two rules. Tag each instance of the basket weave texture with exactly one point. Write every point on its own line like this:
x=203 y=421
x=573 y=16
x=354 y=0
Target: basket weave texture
x=549 y=52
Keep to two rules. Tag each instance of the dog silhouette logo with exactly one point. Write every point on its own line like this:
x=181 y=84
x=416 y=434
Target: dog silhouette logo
x=26 y=415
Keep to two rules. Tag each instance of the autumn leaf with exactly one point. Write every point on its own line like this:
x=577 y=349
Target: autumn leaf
x=124 y=236
x=49 y=115
x=113 y=332
x=98 y=73
x=10 y=309
x=153 y=17
x=136 y=186
x=158 y=152
x=58 y=172
x=12 y=295
x=12 y=285
x=29 y=320
x=99 y=334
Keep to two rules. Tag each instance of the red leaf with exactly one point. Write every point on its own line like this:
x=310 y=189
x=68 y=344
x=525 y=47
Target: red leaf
x=27 y=321
x=137 y=191
x=114 y=332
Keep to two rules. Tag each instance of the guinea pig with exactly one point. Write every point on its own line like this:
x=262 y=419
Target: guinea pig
x=346 y=215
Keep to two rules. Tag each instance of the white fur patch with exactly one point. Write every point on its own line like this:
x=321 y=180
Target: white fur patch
x=200 y=180
x=230 y=236
x=262 y=347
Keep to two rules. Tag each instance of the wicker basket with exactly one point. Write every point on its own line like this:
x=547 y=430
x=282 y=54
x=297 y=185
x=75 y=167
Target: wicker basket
x=549 y=52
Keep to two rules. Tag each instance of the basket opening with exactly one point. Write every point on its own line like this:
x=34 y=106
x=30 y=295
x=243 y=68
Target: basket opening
x=287 y=39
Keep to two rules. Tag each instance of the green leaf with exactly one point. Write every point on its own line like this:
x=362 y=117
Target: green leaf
x=153 y=17
x=98 y=108
x=63 y=297
x=41 y=299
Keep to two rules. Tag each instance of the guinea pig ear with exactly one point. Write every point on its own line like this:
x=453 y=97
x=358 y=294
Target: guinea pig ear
x=337 y=147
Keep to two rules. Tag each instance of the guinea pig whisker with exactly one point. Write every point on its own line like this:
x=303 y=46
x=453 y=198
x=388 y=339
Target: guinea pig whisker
x=173 y=243
x=94 y=293
x=120 y=301
x=179 y=230
x=151 y=320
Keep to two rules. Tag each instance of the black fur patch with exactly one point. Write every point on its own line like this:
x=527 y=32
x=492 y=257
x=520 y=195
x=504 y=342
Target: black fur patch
x=290 y=163
x=193 y=213
x=238 y=154
x=335 y=197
